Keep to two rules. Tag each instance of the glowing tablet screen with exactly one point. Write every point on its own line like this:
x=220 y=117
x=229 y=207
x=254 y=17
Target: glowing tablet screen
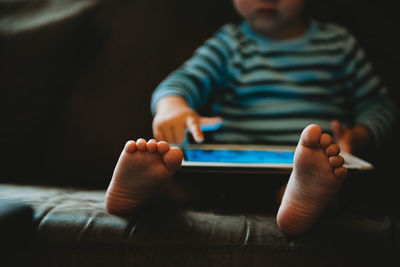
x=239 y=156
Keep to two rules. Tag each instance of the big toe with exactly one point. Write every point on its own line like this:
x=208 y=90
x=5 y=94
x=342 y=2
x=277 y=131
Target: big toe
x=311 y=135
x=173 y=158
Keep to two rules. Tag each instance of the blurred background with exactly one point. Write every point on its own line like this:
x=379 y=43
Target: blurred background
x=76 y=76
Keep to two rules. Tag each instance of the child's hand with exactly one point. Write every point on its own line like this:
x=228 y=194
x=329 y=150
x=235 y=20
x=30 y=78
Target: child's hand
x=171 y=125
x=354 y=140
x=174 y=116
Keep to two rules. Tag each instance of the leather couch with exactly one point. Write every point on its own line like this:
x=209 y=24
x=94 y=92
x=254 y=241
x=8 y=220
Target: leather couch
x=76 y=79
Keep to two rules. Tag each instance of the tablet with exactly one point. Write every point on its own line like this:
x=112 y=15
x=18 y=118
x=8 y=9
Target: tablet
x=250 y=159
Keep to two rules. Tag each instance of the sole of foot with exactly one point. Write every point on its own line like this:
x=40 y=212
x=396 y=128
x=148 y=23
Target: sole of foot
x=316 y=178
x=142 y=167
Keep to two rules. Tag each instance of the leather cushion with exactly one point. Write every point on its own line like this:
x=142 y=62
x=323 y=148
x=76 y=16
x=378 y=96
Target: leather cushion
x=73 y=228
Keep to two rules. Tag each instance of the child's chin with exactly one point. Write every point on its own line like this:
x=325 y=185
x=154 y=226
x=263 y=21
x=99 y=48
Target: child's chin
x=265 y=25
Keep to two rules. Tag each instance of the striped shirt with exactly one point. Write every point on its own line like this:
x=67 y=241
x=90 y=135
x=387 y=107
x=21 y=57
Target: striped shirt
x=267 y=91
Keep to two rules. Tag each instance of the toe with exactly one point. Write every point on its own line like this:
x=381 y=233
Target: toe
x=326 y=140
x=173 y=158
x=141 y=144
x=162 y=147
x=311 y=135
x=340 y=172
x=332 y=150
x=336 y=161
x=152 y=145
x=130 y=146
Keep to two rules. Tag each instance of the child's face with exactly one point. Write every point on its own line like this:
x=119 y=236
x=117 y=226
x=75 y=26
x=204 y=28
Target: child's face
x=270 y=16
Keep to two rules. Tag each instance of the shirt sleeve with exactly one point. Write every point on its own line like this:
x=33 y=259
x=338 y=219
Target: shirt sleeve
x=370 y=102
x=199 y=76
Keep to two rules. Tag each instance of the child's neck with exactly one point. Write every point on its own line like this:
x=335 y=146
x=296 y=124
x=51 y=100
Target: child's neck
x=286 y=32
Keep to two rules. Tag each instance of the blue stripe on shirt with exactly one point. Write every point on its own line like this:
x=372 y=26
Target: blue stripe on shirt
x=263 y=87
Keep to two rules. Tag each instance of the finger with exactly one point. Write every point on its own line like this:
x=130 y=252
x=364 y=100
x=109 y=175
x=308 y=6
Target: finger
x=176 y=133
x=337 y=129
x=210 y=120
x=210 y=123
x=167 y=134
x=174 y=130
x=179 y=133
x=158 y=134
x=193 y=126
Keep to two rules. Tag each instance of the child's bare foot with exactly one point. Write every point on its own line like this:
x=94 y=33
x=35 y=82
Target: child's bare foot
x=317 y=175
x=141 y=169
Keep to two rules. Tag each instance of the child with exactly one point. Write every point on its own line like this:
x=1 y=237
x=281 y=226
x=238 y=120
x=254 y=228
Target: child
x=266 y=80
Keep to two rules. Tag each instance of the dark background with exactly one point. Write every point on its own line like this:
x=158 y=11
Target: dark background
x=74 y=90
